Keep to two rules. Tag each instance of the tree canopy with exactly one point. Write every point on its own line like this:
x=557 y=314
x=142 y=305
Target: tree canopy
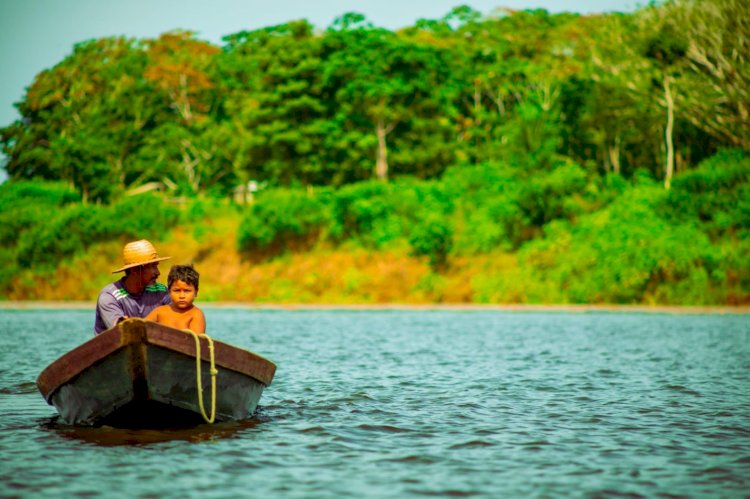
x=659 y=89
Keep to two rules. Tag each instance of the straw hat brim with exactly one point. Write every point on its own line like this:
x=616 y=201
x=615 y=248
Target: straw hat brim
x=153 y=260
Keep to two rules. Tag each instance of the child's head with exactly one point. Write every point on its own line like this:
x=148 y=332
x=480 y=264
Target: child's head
x=184 y=273
x=183 y=286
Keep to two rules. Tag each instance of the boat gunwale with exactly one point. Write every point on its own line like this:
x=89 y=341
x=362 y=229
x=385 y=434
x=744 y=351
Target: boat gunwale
x=138 y=331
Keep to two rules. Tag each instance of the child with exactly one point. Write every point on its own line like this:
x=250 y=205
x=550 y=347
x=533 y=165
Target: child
x=181 y=313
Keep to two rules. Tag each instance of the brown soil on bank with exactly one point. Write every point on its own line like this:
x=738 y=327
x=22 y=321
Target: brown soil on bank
x=460 y=307
x=323 y=277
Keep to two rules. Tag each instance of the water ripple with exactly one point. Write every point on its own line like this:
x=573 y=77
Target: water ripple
x=398 y=404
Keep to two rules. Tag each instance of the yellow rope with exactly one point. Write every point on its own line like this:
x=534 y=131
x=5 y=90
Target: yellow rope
x=213 y=372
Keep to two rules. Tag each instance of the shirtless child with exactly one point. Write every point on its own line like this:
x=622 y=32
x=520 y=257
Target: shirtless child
x=181 y=313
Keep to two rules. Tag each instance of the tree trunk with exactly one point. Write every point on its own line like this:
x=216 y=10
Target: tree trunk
x=477 y=119
x=181 y=100
x=614 y=154
x=381 y=161
x=190 y=160
x=668 y=132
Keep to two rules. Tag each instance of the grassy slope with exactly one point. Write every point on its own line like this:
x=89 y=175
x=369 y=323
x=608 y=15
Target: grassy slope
x=324 y=275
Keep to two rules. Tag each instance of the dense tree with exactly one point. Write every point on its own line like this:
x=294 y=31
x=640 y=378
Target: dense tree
x=272 y=82
x=543 y=139
x=716 y=79
x=179 y=66
x=82 y=119
x=659 y=89
x=665 y=48
x=388 y=98
x=603 y=117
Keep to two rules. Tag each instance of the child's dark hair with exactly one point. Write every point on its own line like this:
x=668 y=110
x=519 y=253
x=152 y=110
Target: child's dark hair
x=184 y=273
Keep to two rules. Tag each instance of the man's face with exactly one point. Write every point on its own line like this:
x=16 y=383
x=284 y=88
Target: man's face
x=149 y=274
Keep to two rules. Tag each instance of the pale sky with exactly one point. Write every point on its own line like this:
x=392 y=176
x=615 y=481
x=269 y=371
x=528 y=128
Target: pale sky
x=37 y=34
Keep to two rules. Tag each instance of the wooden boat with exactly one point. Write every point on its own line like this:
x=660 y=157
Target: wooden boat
x=143 y=374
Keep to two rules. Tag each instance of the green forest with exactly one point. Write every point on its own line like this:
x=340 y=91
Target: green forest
x=508 y=157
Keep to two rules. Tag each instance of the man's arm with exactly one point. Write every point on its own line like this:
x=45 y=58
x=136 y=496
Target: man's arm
x=108 y=312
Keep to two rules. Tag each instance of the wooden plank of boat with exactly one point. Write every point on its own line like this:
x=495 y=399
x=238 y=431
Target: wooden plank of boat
x=141 y=373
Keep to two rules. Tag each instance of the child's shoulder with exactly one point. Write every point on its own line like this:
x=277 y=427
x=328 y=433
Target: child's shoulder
x=162 y=310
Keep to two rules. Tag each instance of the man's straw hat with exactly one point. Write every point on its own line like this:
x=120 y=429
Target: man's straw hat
x=139 y=253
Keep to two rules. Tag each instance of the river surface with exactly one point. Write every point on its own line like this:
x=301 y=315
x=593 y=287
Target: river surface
x=412 y=404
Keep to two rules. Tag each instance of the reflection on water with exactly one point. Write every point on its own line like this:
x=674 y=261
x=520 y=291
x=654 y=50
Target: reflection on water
x=110 y=436
x=407 y=404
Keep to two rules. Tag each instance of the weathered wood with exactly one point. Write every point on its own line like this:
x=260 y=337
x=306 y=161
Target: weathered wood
x=69 y=365
x=225 y=355
x=146 y=371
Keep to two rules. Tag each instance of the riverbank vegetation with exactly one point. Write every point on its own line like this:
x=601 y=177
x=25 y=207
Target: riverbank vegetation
x=517 y=157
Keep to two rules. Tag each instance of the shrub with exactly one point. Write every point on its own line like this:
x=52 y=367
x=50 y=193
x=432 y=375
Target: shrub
x=623 y=254
x=66 y=233
x=546 y=197
x=284 y=217
x=432 y=237
x=26 y=204
x=493 y=225
x=12 y=193
x=71 y=230
x=8 y=268
x=503 y=207
x=716 y=194
x=376 y=213
x=145 y=216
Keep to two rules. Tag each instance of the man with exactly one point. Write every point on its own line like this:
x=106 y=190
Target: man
x=137 y=293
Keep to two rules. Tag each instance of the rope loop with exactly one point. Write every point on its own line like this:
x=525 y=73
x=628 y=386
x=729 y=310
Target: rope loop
x=213 y=371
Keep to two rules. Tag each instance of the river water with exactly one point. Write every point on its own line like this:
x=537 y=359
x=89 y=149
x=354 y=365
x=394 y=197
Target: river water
x=411 y=404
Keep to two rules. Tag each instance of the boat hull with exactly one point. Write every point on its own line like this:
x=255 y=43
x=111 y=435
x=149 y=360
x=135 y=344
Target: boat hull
x=141 y=373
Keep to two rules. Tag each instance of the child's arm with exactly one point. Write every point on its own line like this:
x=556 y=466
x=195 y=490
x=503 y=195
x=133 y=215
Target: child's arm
x=198 y=323
x=153 y=315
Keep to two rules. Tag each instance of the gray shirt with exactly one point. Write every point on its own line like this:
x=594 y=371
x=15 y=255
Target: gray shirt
x=115 y=302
